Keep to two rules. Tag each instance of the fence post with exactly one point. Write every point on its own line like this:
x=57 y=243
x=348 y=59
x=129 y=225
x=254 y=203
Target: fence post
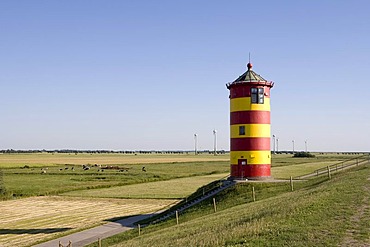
x=291 y=183
x=177 y=217
x=253 y=194
x=356 y=161
x=214 y=204
x=329 y=175
x=99 y=242
x=139 y=228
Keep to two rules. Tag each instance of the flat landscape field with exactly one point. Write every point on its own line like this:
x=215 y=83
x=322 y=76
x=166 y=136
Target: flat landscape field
x=168 y=189
x=47 y=195
x=24 y=222
x=42 y=159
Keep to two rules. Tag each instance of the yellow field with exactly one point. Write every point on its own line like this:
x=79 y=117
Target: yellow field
x=42 y=159
x=24 y=222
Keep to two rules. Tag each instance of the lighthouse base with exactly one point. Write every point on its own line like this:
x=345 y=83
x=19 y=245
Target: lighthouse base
x=250 y=172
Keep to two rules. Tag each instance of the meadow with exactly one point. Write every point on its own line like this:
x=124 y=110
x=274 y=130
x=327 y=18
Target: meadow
x=57 y=159
x=320 y=212
x=56 y=185
x=43 y=174
x=51 y=174
x=168 y=189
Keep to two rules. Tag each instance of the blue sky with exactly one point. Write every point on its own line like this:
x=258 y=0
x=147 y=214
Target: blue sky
x=129 y=75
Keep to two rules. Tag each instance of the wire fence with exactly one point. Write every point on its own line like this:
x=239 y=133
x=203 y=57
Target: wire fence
x=360 y=160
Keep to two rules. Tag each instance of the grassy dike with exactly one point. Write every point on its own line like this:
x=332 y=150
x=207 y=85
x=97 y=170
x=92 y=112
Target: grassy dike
x=320 y=212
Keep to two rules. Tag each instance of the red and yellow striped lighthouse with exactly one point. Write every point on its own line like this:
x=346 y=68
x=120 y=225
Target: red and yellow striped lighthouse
x=250 y=154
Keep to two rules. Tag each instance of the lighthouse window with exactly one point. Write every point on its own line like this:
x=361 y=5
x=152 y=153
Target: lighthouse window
x=241 y=130
x=257 y=96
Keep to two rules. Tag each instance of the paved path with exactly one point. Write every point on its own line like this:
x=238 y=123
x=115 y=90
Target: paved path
x=89 y=236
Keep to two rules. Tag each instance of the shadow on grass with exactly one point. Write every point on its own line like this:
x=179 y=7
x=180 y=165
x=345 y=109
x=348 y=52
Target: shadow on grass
x=33 y=231
x=130 y=221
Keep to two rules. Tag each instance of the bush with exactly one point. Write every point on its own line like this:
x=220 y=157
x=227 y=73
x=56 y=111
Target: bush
x=303 y=155
x=2 y=186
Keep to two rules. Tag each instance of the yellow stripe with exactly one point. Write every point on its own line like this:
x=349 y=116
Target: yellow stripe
x=251 y=130
x=244 y=104
x=253 y=157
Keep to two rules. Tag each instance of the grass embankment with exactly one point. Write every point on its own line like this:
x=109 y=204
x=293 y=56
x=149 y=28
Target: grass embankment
x=284 y=165
x=320 y=212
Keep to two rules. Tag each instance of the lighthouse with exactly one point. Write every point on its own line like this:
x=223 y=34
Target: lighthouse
x=250 y=153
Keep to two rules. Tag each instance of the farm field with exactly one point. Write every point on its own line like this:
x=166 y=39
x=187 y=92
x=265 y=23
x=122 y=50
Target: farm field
x=169 y=189
x=56 y=179
x=48 y=159
x=40 y=177
x=58 y=187
x=25 y=222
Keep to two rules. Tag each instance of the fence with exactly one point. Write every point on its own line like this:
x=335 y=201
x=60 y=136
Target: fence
x=202 y=193
x=337 y=167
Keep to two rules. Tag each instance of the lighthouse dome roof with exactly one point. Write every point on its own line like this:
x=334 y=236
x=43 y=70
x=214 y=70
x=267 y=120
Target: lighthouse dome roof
x=250 y=76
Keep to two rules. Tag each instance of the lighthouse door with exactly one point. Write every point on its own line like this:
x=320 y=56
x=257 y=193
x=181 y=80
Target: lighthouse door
x=242 y=166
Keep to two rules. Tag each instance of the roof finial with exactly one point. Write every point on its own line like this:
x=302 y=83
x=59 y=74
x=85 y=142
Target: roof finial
x=249 y=65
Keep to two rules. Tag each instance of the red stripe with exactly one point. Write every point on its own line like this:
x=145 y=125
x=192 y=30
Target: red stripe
x=250 y=171
x=244 y=90
x=250 y=144
x=250 y=117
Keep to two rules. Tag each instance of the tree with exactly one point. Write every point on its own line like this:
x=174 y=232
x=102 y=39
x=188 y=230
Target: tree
x=303 y=155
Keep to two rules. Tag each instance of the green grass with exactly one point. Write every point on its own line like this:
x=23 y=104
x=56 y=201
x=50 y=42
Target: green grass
x=284 y=172
x=15 y=160
x=171 y=176
x=168 y=189
x=279 y=160
x=284 y=165
x=320 y=212
x=23 y=182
